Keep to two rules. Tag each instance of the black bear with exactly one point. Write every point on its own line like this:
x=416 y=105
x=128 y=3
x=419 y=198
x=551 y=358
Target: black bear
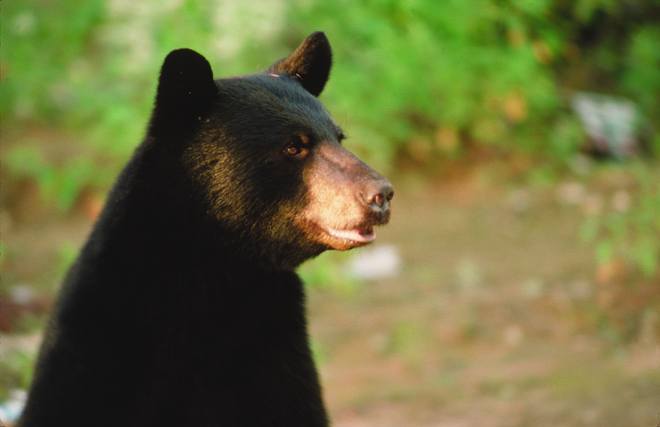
x=183 y=308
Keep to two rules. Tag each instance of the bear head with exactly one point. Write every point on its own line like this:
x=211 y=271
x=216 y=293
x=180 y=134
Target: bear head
x=259 y=162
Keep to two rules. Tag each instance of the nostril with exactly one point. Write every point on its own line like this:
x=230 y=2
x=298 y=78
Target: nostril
x=378 y=198
x=385 y=195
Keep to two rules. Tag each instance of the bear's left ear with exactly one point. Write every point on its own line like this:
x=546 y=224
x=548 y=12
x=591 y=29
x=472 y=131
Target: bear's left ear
x=310 y=63
x=185 y=88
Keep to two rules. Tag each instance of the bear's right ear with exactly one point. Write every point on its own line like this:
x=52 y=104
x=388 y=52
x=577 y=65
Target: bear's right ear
x=186 y=88
x=310 y=63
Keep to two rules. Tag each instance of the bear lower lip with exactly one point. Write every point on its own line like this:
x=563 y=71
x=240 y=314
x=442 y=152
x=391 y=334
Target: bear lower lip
x=366 y=235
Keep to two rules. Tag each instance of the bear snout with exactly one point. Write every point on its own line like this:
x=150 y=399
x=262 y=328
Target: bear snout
x=347 y=200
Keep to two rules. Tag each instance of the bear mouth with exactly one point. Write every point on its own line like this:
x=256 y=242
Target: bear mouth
x=342 y=238
x=363 y=236
x=348 y=238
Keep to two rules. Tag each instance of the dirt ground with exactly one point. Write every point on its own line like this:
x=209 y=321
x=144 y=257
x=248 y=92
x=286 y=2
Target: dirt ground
x=488 y=321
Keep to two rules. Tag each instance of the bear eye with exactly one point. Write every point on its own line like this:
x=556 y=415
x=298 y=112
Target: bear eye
x=298 y=147
x=292 y=150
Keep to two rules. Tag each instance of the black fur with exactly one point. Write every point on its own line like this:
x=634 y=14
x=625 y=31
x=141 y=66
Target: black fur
x=183 y=308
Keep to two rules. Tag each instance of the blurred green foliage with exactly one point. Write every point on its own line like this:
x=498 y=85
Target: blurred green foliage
x=16 y=370
x=631 y=234
x=439 y=73
x=331 y=272
x=412 y=75
x=625 y=235
x=432 y=77
x=59 y=185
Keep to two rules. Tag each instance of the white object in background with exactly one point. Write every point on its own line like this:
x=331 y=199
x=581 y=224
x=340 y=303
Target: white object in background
x=376 y=262
x=12 y=408
x=609 y=121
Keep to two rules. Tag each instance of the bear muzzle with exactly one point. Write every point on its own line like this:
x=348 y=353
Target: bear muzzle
x=347 y=198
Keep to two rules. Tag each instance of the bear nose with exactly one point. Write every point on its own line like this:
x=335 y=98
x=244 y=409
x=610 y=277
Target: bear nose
x=378 y=195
